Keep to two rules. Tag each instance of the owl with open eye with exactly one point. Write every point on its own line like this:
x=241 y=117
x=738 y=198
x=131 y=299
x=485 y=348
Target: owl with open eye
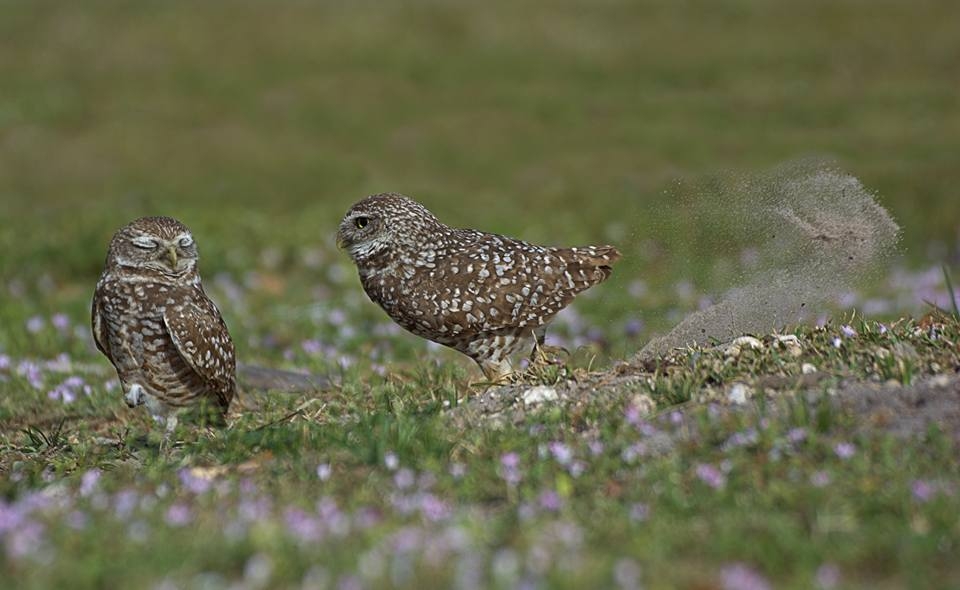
x=152 y=319
x=485 y=295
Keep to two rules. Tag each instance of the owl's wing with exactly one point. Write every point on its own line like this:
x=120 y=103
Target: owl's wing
x=98 y=324
x=201 y=337
x=532 y=287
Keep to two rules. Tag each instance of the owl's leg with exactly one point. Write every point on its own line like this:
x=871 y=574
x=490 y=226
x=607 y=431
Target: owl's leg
x=164 y=415
x=167 y=441
x=540 y=335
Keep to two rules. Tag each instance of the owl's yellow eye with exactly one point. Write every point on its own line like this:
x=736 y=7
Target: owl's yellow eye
x=361 y=222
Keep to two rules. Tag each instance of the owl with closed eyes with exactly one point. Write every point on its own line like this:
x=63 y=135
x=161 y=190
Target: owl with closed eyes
x=165 y=338
x=485 y=295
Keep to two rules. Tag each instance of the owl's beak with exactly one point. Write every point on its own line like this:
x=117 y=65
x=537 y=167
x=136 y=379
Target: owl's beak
x=172 y=256
x=341 y=241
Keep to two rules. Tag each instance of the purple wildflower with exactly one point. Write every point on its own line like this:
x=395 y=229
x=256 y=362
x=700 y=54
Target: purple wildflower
x=845 y=450
x=366 y=517
x=11 y=516
x=257 y=571
x=742 y=439
x=31 y=372
x=633 y=327
x=820 y=479
x=828 y=576
x=35 y=324
x=303 y=526
x=797 y=435
x=138 y=531
x=60 y=321
x=848 y=331
x=25 y=540
x=922 y=491
x=254 y=509
x=550 y=500
x=596 y=448
x=404 y=478
x=178 y=515
x=458 y=470
x=194 y=484
x=739 y=576
x=626 y=572
x=332 y=517
x=576 y=468
x=633 y=452
x=124 y=503
x=837 y=343
x=337 y=317
x=433 y=508
x=711 y=476
x=5 y=362
x=63 y=394
x=406 y=540
x=510 y=468
x=89 y=482
x=639 y=512
x=77 y=520
x=561 y=452
x=311 y=346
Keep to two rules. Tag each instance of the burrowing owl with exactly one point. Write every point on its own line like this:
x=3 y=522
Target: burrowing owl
x=485 y=295
x=151 y=318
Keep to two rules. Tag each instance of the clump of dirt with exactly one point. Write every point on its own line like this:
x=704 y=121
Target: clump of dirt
x=816 y=232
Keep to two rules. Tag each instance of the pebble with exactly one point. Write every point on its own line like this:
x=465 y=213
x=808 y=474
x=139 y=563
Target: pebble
x=539 y=395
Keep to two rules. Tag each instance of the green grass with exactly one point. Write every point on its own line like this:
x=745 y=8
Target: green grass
x=258 y=124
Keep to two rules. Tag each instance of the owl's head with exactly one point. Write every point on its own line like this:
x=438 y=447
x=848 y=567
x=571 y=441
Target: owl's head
x=380 y=222
x=160 y=244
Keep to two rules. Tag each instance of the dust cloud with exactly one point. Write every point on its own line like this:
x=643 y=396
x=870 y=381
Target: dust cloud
x=816 y=232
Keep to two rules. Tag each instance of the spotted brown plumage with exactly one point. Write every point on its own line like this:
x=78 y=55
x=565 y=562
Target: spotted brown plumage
x=485 y=295
x=152 y=319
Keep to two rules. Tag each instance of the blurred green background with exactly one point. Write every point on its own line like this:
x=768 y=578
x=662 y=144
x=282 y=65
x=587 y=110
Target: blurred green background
x=259 y=123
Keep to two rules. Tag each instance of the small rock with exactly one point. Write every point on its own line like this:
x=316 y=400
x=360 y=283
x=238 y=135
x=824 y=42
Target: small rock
x=807 y=369
x=790 y=343
x=539 y=395
x=644 y=404
x=940 y=381
x=738 y=394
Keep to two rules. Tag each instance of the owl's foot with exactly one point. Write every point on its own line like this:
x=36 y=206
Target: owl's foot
x=548 y=355
x=136 y=396
x=495 y=372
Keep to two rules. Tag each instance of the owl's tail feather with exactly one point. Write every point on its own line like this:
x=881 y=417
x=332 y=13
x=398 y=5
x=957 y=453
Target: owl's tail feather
x=598 y=261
